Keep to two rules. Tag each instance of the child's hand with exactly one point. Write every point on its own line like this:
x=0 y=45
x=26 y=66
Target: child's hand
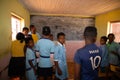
x=59 y=72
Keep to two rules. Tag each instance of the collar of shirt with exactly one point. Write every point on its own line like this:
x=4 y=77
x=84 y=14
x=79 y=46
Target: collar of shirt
x=60 y=44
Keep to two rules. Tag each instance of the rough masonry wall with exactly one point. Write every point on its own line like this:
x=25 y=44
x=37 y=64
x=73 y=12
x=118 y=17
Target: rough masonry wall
x=73 y=27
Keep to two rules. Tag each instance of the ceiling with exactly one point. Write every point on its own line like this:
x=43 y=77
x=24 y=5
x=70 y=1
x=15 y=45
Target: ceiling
x=70 y=7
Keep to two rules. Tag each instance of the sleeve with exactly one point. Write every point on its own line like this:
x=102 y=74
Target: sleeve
x=29 y=55
x=106 y=55
x=37 y=46
x=56 y=54
x=52 y=49
x=77 y=58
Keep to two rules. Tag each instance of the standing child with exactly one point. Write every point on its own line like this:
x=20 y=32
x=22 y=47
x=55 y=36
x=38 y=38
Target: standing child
x=87 y=59
x=104 y=62
x=60 y=58
x=30 y=60
x=103 y=47
x=113 y=48
x=45 y=47
x=35 y=35
x=16 y=69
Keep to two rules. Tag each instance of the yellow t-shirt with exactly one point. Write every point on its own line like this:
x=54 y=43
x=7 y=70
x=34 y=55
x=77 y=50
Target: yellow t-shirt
x=17 y=49
x=35 y=38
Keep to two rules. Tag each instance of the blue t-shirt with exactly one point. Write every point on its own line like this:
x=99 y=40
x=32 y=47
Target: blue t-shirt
x=30 y=55
x=89 y=58
x=104 y=55
x=45 y=48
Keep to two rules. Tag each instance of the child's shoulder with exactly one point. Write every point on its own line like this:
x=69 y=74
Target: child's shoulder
x=29 y=50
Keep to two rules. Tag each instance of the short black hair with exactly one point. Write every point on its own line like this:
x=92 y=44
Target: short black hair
x=28 y=39
x=46 y=30
x=111 y=34
x=104 y=38
x=25 y=28
x=90 y=31
x=20 y=36
x=31 y=26
x=60 y=34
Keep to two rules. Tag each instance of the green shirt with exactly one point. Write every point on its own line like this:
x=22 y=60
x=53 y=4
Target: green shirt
x=113 y=59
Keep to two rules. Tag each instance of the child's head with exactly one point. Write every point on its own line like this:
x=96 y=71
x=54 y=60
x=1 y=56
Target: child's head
x=33 y=29
x=20 y=36
x=29 y=42
x=90 y=33
x=103 y=40
x=111 y=37
x=46 y=30
x=25 y=31
x=61 y=37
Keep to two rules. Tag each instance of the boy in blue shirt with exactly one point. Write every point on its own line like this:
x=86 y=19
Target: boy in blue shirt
x=87 y=59
x=45 y=47
x=60 y=58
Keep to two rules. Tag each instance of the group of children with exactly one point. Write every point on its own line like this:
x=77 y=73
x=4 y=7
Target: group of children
x=32 y=56
x=35 y=56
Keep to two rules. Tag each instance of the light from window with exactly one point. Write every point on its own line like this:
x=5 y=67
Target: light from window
x=17 y=25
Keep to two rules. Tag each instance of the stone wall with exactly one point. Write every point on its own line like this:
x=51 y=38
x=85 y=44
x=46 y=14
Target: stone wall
x=73 y=27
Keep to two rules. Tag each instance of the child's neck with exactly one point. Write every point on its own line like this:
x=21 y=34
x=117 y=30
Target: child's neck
x=87 y=42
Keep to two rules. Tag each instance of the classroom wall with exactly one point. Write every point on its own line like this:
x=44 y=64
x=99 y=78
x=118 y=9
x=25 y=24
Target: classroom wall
x=101 y=21
x=6 y=7
x=67 y=24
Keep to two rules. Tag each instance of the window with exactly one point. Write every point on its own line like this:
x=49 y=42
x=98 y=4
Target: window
x=17 y=24
x=114 y=27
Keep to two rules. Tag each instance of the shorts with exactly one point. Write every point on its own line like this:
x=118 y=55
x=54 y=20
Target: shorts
x=16 y=67
x=45 y=72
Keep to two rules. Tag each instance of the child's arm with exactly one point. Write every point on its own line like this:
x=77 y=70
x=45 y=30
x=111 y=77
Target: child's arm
x=77 y=71
x=58 y=68
x=32 y=66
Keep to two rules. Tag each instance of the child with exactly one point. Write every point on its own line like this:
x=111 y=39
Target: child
x=104 y=61
x=25 y=31
x=45 y=47
x=30 y=60
x=60 y=58
x=16 y=68
x=113 y=50
x=87 y=59
x=34 y=34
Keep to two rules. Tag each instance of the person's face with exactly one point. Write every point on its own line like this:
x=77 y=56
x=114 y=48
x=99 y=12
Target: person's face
x=31 y=43
x=102 y=41
x=33 y=30
x=61 y=39
x=25 y=32
x=111 y=38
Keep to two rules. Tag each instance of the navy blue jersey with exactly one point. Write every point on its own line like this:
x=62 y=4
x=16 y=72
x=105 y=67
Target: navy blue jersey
x=89 y=57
